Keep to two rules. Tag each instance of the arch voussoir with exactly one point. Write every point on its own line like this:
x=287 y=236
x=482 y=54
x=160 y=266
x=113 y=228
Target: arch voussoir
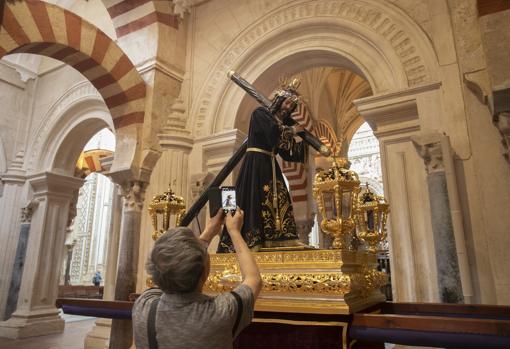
x=40 y=28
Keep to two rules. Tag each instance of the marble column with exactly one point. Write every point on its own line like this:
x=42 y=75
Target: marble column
x=452 y=265
x=19 y=261
x=99 y=336
x=10 y=204
x=133 y=193
x=36 y=313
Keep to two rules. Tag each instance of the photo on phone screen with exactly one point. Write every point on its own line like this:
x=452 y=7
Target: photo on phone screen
x=228 y=198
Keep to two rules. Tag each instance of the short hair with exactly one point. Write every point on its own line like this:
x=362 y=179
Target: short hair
x=177 y=261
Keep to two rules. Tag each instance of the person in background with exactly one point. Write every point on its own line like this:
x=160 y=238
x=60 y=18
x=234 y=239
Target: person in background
x=97 y=278
x=177 y=314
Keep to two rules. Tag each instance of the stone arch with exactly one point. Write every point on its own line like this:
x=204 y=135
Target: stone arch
x=41 y=28
x=379 y=42
x=80 y=98
x=69 y=134
x=130 y=16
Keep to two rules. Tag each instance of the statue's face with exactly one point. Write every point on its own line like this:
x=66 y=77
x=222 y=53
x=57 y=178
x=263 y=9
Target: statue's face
x=287 y=104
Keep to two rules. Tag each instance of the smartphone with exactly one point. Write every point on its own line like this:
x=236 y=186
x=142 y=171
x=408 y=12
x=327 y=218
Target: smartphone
x=222 y=197
x=228 y=199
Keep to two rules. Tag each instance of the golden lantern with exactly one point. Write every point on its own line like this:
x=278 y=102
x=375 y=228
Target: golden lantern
x=165 y=205
x=370 y=217
x=335 y=191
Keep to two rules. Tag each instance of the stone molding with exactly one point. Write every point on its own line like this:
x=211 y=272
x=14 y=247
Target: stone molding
x=218 y=148
x=392 y=112
x=3 y=158
x=49 y=183
x=388 y=23
x=165 y=68
x=15 y=174
x=175 y=135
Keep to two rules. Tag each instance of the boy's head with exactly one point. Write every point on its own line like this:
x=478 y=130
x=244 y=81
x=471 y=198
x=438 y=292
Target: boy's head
x=179 y=262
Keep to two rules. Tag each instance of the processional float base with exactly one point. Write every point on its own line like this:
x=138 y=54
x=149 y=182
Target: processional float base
x=310 y=281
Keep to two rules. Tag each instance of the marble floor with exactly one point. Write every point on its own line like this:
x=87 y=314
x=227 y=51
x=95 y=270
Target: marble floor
x=73 y=336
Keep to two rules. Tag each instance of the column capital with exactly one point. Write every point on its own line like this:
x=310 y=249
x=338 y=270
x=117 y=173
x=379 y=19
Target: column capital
x=395 y=112
x=431 y=147
x=134 y=195
x=53 y=183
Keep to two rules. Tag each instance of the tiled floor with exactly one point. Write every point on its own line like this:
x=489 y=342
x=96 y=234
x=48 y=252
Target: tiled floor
x=72 y=337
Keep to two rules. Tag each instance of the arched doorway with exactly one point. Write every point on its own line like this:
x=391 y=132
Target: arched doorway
x=379 y=43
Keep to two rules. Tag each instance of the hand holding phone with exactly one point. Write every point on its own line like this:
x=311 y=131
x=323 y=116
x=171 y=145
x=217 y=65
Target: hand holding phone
x=228 y=199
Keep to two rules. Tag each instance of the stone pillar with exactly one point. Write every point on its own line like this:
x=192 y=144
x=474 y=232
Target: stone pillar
x=19 y=261
x=454 y=279
x=395 y=118
x=36 y=314
x=10 y=205
x=127 y=269
x=99 y=336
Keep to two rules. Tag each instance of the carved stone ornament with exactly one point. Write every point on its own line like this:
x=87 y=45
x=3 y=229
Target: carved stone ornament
x=134 y=194
x=183 y=6
x=27 y=211
x=430 y=150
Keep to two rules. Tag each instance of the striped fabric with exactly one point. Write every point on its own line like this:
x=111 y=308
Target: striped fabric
x=131 y=15
x=37 y=27
x=296 y=172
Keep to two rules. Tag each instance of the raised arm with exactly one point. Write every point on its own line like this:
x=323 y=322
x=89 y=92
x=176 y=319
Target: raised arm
x=249 y=269
x=213 y=227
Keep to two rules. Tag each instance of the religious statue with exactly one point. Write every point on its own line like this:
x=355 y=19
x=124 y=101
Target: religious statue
x=260 y=187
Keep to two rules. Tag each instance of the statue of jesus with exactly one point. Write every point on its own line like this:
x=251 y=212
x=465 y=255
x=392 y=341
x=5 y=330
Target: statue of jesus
x=260 y=187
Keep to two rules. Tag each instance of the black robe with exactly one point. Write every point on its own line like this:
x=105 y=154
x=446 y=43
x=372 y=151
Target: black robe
x=254 y=186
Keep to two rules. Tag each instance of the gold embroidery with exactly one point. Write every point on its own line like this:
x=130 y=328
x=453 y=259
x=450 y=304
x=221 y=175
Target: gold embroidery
x=286 y=141
x=285 y=213
x=266 y=188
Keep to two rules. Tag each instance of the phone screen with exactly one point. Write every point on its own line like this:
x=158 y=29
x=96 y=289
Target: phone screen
x=228 y=198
